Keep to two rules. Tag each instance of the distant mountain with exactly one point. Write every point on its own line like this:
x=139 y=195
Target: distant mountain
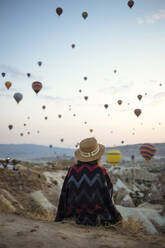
x=40 y=152
x=33 y=152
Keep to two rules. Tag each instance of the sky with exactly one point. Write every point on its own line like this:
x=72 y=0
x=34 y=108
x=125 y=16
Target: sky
x=113 y=37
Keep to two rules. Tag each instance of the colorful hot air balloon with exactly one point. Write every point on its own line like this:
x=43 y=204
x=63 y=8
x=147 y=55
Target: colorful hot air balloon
x=147 y=151
x=84 y=14
x=86 y=98
x=18 y=97
x=59 y=11
x=8 y=84
x=28 y=74
x=73 y=45
x=137 y=112
x=44 y=107
x=105 y=106
x=85 y=78
x=119 y=102
x=113 y=157
x=130 y=3
x=37 y=86
x=139 y=97
x=10 y=126
x=3 y=74
x=39 y=63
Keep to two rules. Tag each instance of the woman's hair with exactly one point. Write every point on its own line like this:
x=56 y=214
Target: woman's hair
x=89 y=163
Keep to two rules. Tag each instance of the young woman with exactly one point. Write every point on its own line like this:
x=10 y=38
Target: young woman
x=87 y=191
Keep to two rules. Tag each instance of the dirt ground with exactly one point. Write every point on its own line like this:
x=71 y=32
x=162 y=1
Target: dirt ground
x=17 y=231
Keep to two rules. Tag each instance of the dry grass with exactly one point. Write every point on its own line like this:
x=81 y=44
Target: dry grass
x=37 y=216
x=4 y=208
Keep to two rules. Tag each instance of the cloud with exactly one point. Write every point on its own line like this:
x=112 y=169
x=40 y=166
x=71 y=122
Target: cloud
x=116 y=89
x=153 y=18
x=55 y=98
x=140 y=20
x=159 y=96
x=14 y=72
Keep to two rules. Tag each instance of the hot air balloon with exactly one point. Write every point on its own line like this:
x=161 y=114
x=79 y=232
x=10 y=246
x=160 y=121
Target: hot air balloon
x=3 y=74
x=115 y=71
x=80 y=91
x=18 y=97
x=21 y=134
x=139 y=97
x=73 y=45
x=44 y=107
x=130 y=3
x=59 y=11
x=37 y=86
x=113 y=157
x=10 y=127
x=132 y=157
x=90 y=130
x=86 y=98
x=8 y=84
x=147 y=151
x=61 y=140
x=122 y=141
x=84 y=14
x=85 y=78
x=39 y=63
x=105 y=106
x=59 y=116
x=119 y=102
x=28 y=74
x=137 y=112
x=46 y=117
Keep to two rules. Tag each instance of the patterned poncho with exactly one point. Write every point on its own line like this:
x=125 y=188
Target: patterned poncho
x=86 y=196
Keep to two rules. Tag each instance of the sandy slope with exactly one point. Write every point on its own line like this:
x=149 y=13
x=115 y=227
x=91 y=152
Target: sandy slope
x=17 y=231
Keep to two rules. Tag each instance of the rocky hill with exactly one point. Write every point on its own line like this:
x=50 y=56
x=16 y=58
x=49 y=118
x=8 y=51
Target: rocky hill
x=33 y=193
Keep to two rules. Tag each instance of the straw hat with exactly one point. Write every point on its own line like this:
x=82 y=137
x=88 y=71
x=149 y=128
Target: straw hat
x=89 y=150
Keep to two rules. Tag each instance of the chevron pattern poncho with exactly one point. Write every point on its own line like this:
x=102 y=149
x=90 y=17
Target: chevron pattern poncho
x=86 y=196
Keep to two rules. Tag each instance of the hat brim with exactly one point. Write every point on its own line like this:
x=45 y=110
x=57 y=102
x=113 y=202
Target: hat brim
x=79 y=157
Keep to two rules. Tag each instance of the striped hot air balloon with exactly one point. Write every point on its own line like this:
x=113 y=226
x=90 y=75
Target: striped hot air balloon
x=147 y=151
x=113 y=157
x=37 y=86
